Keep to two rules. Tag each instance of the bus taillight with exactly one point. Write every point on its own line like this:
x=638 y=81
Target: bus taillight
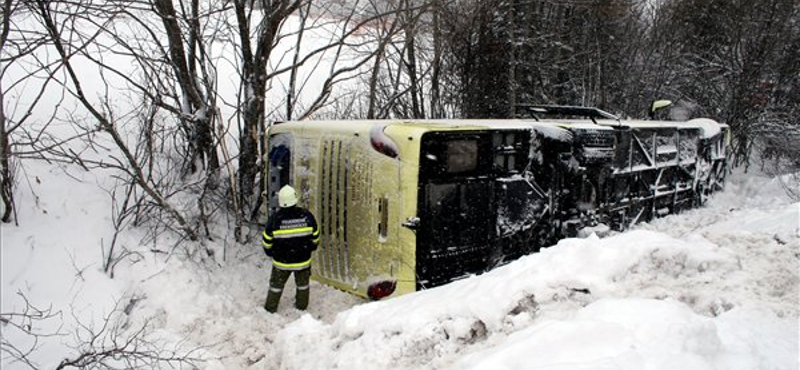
x=382 y=143
x=381 y=289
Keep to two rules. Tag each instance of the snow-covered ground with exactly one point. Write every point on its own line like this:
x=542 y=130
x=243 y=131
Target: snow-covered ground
x=712 y=288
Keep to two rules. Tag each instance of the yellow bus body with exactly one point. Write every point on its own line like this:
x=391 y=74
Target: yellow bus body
x=360 y=197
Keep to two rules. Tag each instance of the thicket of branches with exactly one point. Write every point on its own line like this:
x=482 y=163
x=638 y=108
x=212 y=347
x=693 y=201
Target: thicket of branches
x=151 y=93
x=733 y=61
x=112 y=343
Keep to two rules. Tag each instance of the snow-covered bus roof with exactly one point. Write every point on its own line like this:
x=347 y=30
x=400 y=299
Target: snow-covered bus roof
x=549 y=128
x=425 y=123
x=709 y=127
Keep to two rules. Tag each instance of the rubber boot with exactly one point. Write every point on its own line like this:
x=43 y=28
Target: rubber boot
x=276 y=282
x=301 y=278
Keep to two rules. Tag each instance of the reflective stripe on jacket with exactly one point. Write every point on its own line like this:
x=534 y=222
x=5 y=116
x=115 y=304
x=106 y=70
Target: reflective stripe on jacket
x=291 y=234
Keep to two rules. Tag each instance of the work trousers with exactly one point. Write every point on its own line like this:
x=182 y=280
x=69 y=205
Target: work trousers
x=277 y=281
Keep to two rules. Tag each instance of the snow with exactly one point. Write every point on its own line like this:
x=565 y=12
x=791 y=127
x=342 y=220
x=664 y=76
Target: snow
x=710 y=127
x=712 y=288
x=554 y=132
x=634 y=334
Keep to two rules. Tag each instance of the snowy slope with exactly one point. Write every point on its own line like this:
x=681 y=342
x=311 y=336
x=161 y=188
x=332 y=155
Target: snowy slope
x=712 y=288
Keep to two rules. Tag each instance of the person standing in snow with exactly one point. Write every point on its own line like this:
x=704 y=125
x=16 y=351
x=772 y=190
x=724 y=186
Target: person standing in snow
x=291 y=234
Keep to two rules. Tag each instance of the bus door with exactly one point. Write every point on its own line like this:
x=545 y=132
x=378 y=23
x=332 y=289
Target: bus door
x=456 y=206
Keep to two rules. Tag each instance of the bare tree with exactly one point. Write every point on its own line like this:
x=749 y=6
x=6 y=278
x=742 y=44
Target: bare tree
x=385 y=31
x=728 y=61
x=436 y=110
x=187 y=55
x=254 y=60
x=409 y=27
x=18 y=46
x=105 y=120
x=408 y=60
x=122 y=210
x=27 y=321
x=6 y=178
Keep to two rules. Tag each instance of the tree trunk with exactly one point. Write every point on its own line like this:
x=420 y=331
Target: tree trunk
x=512 y=51
x=254 y=79
x=373 y=81
x=436 y=64
x=6 y=175
x=411 y=65
x=197 y=115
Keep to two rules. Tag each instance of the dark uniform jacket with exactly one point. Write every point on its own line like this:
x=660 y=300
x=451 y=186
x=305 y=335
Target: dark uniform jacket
x=289 y=238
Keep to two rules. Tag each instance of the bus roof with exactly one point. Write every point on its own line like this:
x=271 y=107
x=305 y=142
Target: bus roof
x=708 y=126
x=547 y=127
x=543 y=126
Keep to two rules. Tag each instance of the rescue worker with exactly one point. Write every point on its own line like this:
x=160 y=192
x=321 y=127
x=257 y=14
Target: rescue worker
x=291 y=234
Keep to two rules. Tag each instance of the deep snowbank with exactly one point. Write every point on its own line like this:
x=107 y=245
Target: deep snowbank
x=636 y=300
x=714 y=288
x=54 y=258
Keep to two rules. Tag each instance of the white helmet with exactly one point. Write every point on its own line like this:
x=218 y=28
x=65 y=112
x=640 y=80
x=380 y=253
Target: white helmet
x=287 y=197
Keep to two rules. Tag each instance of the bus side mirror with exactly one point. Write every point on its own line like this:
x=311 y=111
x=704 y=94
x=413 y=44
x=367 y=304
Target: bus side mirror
x=411 y=223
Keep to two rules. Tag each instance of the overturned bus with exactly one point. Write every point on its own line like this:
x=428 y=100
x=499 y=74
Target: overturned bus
x=408 y=205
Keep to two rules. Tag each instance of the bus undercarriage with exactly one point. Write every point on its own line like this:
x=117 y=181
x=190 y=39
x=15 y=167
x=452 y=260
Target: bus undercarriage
x=491 y=197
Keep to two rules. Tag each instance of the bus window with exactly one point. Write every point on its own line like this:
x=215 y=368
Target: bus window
x=448 y=155
x=462 y=155
x=510 y=151
x=280 y=166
